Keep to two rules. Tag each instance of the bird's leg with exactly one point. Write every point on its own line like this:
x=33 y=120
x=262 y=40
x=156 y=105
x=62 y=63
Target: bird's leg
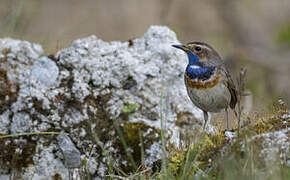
x=205 y=115
x=227 y=117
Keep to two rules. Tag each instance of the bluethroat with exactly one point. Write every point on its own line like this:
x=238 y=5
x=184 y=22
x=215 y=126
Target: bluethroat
x=207 y=80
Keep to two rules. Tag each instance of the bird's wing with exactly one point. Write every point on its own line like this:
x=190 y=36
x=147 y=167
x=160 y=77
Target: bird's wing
x=228 y=81
x=231 y=86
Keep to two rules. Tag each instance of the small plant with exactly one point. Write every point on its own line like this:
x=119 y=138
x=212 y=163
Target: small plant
x=130 y=108
x=240 y=93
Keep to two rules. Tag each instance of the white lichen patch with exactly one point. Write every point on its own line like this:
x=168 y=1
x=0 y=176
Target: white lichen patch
x=275 y=145
x=153 y=153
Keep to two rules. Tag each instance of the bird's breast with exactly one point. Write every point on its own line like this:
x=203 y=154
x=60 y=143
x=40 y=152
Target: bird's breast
x=210 y=95
x=202 y=84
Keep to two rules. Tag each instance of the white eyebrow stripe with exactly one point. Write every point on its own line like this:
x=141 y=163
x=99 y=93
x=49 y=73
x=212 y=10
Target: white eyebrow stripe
x=203 y=46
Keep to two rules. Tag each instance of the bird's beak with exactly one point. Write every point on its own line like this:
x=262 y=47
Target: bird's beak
x=182 y=47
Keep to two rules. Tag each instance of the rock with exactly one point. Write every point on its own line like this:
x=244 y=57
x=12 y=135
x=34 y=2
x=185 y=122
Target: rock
x=47 y=163
x=95 y=90
x=4 y=121
x=21 y=122
x=18 y=55
x=45 y=71
x=72 y=156
x=274 y=146
x=4 y=177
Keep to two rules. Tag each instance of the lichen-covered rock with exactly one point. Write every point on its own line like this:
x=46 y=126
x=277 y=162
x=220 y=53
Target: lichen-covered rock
x=100 y=93
x=275 y=146
x=45 y=71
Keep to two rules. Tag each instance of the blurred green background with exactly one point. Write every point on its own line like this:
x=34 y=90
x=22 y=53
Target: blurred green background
x=250 y=33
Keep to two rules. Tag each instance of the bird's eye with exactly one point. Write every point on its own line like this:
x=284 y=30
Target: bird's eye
x=197 y=48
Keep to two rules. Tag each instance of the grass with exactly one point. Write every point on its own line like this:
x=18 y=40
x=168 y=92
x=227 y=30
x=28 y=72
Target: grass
x=28 y=134
x=218 y=157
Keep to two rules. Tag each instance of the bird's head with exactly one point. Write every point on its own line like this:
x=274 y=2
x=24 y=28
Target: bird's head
x=198 y=52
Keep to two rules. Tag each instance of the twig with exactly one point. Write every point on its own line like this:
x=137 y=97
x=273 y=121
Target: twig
x=240 y=92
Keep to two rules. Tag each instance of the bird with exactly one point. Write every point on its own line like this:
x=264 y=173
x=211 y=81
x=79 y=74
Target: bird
x=208 y=82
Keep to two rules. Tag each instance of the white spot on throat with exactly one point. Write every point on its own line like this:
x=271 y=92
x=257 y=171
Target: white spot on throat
x=194 y=66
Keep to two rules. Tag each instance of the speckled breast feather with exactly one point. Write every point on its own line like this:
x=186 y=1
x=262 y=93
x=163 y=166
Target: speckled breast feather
x=200 y=84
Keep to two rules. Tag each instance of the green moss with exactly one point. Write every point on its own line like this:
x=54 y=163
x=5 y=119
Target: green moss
x=130 y=108
x=138 y=137
x=176 y=161
x=200 y=155
x=211 y=147
x=283 y=35
x=272 y=121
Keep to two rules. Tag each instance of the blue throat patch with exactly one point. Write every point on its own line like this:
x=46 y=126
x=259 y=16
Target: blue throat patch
x=195 y=71
x=201 y=73
x=192 y=58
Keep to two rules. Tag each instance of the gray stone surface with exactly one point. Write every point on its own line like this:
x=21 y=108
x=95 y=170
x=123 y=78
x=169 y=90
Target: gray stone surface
x=47 y=163
x=275 y=146
x=45 y=71
x=21 y=56
x=4 y=121
x=4 y=177
x=72 y=156
x=21 y=122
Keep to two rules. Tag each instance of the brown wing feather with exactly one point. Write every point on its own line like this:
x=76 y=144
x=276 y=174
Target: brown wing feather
x=231 y=86
x=218 y=62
